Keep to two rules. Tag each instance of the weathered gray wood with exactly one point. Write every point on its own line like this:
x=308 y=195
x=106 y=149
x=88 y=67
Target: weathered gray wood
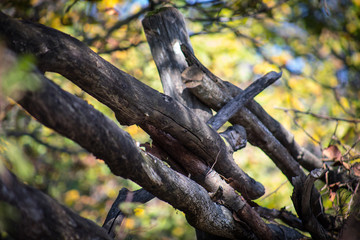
x=212 y=182
x=228 y=91
x=236 y=136
x=165 y=32
x=132 y=101
x=257 y=134
x=234 y=105
x=80 y=122
x=215 y=93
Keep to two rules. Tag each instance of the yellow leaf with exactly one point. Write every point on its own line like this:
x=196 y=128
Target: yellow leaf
x=178 y=231
x=129 y=223
x=71 y=196
x=356 y=2
x=133 y=130
x=139 y=212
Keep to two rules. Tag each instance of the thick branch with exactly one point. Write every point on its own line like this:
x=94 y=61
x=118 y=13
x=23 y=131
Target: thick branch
x=284 y=215
x=75 y=119
x=216 y=93
x=212 y=182
x=165 y=31
x=132 y=101
x=30 y=214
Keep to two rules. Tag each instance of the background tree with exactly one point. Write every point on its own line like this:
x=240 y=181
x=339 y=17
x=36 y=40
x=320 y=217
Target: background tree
x=313 y=43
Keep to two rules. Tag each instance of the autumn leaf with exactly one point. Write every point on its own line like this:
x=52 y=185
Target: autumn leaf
x=355 y=169
x=332 y=153
x=333 y=188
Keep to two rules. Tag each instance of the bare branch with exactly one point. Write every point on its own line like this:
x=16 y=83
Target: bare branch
x=303 y=192
x=306 y=132
x=165 y=31
x=319 y=115
x=115 y=216
x=118 y=25
x=75 y=119
x=33 y=215
x=236 y=136
x=216 y=93
x=212 y=182
x=285 y=216
x=132 y=101
x=233 y=106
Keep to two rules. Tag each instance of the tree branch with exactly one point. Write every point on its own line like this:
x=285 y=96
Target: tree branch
x=212 y=182
x=75 y=119
x=118 y=24
x=165 y=31
x=132 y=101
x=304 y=204
x=216 y=93
x=30 y=214
x=115 y=216
x=315 y=115
x=285 y=216
x=233 y=106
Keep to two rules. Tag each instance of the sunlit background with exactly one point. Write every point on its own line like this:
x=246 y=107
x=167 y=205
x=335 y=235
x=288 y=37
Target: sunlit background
x=314 y=43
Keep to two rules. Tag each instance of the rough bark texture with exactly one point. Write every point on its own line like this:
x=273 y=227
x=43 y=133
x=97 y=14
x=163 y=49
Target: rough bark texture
x=285 y=216
x=207 y=90
x=215 y=93
x=303 y=192
x=211 y=181
x=71 y=116
x=232 y=107
x=165 y=32
x=132 y=101
x=175 y=129
x=30 y=214
x=236 y=136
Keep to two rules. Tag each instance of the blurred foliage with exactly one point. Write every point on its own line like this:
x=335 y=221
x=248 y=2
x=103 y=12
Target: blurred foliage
x=315 y=44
